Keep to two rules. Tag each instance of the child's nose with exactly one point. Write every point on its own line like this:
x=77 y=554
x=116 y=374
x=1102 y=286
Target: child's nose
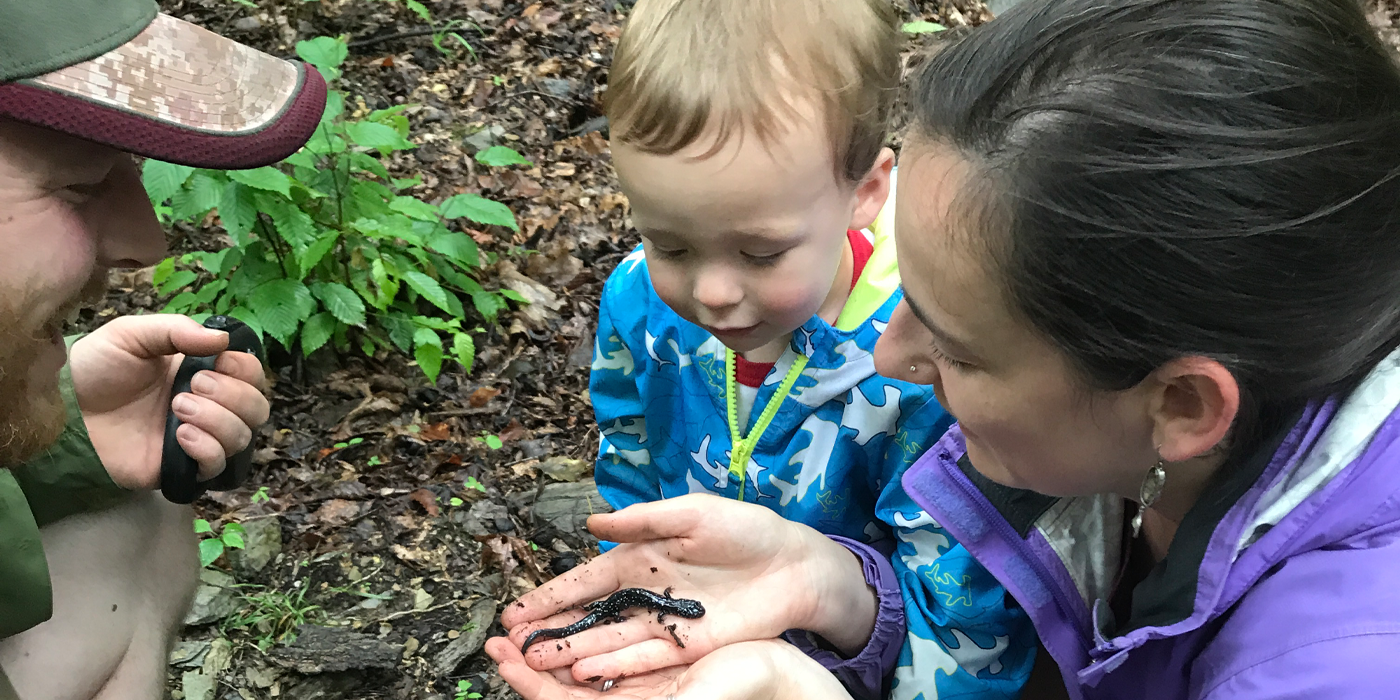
x=716 y=288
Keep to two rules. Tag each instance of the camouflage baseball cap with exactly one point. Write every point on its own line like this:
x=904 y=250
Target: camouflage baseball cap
x=120 y=73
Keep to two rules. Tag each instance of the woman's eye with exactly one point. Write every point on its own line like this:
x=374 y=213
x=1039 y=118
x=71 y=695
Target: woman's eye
x=668 y=252
x=942 y=357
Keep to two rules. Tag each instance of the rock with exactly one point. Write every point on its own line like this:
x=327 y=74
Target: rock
x=433 y=114
x=564 y=468
x=262 y=541
x=563 y=563
x=214 y=600
x=485 y=138
x=558 y=87
x=482 y=512
x=567 y=506
x=219 y=658
x=189 y=654
x=197 y=686
x=541 y=305
x=261 y=676
x=483 y=613
x=248 y=24
x=325 y=649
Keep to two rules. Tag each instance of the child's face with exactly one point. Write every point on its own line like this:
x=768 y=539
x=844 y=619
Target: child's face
x=747 y=242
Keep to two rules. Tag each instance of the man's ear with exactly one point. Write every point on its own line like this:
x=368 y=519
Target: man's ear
x=1195 y=402
x=872 y=191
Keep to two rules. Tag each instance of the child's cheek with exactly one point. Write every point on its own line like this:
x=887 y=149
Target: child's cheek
x=793 y=299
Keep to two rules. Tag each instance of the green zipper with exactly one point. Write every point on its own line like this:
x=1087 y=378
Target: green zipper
x=744 y=445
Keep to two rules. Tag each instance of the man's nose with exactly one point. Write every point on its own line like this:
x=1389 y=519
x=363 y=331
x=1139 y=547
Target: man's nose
x=717 y=288
x=128 y=233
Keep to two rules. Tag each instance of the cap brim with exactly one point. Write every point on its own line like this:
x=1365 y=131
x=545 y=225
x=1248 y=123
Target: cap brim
x=179 y=93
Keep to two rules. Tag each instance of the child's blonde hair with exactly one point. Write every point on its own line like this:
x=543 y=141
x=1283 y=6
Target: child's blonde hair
x=685 y=67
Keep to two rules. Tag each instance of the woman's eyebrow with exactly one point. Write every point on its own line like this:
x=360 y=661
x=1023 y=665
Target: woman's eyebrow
x=951 y=343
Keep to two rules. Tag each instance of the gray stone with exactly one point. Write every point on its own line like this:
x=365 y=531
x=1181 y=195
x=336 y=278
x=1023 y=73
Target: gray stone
x=483 y=512
x=558 y=87
x=485 y=138
x=329 y=686
x=564 y=468
x=567 y=506
x=219 y=658
x=189 y=654
x=261 y=543
x=248 y=24
x=215 y=599
x=483 y=613
x=327 y=649
x=197 y=686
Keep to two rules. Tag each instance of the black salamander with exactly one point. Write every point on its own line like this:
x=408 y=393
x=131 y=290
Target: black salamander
x=610 y=610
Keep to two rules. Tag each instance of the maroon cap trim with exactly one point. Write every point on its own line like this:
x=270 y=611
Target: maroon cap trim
x=153 y=138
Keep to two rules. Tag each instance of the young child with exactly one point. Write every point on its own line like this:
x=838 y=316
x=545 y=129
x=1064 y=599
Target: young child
x=734 y=346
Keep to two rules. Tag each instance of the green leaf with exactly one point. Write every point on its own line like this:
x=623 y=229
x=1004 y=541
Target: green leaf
x=492 y=441
x=414 y=208
x=400 y=330
x=163 y=179
x=428 y=288
x=238 y=211
x=388 y=286
x=317 y=332
x=335 y=107
x=294 y=225
x=181 y=303
x=457 y=246
x=341 y=301
x=202 y=526
x=264 y=178
x=380 y=136
x=245 y=315
x=464 y=349
x=200 y=194
x=514 y=296
x=281 y=306
x=365 y=162
x=488 y=304
x=317 y=251
x=163 y=271
x=419 y=9
x=209 y=550
x=922 y=27
x=326 y=53
x=478 y=209
x=427 y=350
x=232 y=536
x=177 y=280
x=501 y=156
x=208 y=292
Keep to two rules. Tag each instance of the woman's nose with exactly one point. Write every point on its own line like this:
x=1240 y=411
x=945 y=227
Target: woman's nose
x=895 y=355
x=128 y=233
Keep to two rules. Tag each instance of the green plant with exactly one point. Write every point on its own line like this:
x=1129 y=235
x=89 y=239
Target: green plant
x=464 y=691
x=444 y=32
x=273 y=616
x=261 y=495
x=455 y=502
x=328 y=247
x=213 y=545
x=491 y=441
x=350 y=443
x=472 y=483
x=375 y=461
x=922 y=27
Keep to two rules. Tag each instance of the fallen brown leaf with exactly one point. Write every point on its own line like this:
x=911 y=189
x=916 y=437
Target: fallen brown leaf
x=483 y=396
x=427 y=499
x=336 y=512
x=437 y=432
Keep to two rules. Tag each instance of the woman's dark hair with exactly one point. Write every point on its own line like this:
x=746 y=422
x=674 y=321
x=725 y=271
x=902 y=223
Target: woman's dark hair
x=1167 y=178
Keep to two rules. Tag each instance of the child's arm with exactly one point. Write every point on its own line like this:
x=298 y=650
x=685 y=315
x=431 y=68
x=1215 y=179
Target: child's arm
x=623 y=470
x=965 y=637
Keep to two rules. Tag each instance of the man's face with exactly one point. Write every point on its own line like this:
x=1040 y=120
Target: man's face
x=69 y=210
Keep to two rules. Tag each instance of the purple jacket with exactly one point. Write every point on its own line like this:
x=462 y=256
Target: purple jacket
x=1283 y=582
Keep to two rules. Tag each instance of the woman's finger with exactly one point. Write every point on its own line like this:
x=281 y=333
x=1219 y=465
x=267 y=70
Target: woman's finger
x=603 y=639
x=530 y=684
x=644 y=522
x=594 y=580
x=637 y=658
x=519 y=633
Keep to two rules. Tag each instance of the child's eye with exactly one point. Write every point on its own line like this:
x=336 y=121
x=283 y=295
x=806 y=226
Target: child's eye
x=763 y=260
x=954 y=364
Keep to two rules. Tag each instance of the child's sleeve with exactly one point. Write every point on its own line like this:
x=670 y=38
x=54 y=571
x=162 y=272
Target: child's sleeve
x=623 y=470
x=965 y=637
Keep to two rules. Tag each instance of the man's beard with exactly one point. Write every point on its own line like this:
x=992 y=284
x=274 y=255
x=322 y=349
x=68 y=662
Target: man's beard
x=32 y=419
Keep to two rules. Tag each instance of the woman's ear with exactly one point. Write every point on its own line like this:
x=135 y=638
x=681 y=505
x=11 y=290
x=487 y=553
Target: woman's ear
x=872 y=191
x=1195 y=403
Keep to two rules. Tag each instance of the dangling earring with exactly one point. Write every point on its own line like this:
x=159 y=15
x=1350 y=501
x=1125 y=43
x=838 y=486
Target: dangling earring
x=1149 y=492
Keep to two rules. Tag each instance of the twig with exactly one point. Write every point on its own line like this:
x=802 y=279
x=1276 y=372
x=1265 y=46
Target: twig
x=410 y=34
x=406 y=613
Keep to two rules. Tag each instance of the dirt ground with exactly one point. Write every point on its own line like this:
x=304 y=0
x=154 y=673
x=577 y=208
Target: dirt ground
x=384 y=532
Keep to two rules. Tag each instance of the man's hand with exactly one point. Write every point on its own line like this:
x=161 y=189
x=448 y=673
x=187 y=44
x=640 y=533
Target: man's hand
x=122 y=374
x=760 y=670
x=757 y=575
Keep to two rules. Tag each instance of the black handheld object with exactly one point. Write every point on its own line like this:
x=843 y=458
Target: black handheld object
x=179 y=473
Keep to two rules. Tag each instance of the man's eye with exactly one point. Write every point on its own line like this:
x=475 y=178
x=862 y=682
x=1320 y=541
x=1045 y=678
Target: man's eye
x=78 y=195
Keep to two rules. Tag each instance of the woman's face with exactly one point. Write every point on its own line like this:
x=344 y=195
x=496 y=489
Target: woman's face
x=1029 y=419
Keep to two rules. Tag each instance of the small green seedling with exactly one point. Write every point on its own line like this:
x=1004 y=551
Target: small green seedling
x=375 y=461
x=464 y=691
x=213 y=546
x=455 y=502
x=261 y=495
x=490 y=440
x=472 y=483
x=350 y=443
x=922 y=27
